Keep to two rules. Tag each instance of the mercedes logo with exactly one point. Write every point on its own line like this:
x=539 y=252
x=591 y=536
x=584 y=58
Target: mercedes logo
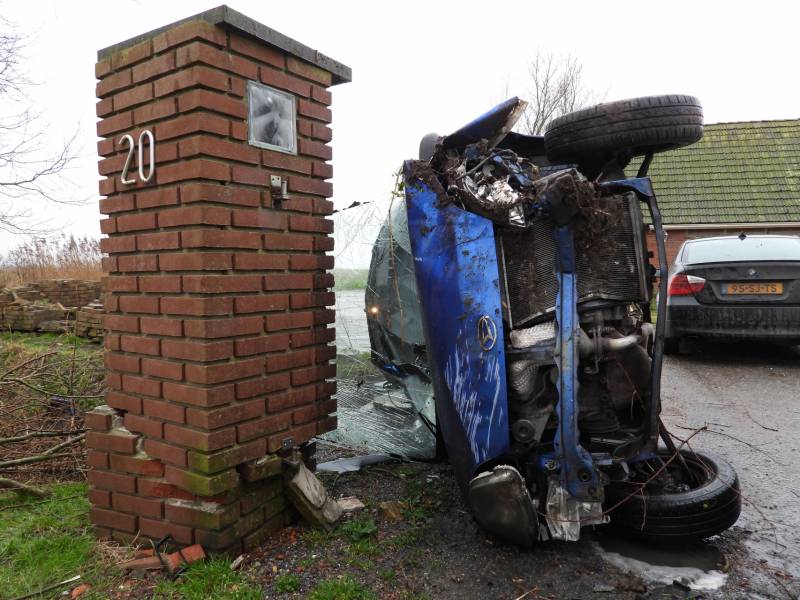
x=487 y=333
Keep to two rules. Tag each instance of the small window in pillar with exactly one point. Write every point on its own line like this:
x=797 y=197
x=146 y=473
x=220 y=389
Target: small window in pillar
x=272 y=119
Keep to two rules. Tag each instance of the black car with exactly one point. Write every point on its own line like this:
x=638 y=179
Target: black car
x=735 y=287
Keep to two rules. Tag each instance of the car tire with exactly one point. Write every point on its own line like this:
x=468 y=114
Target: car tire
x=637 y=125
x=709 y=508
x=672 y=345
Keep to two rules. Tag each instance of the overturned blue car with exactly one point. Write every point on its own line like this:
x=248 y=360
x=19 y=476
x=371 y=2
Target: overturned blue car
x=509 y=298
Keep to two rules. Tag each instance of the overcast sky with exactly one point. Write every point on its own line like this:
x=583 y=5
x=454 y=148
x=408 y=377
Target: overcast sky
x=430 y=66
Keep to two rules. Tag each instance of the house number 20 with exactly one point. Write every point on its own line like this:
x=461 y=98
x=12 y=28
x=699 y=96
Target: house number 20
x=151 y=162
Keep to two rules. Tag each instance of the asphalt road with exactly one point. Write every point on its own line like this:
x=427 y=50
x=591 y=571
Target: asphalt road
x=748 y=396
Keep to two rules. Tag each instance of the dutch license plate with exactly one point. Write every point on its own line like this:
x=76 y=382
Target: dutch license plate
x=753 y=287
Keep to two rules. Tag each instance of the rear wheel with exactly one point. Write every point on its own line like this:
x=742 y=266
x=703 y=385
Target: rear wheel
x=593 y=136
x=672 y=507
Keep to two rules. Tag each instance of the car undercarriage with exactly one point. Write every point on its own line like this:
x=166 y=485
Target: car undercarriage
x=514 y=285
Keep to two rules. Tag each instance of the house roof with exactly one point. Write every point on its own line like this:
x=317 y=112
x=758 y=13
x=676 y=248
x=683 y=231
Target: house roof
x=746 y=172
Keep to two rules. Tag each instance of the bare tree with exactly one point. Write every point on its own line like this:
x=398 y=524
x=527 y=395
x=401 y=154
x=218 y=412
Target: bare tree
x=30 y=169
x=556 y=88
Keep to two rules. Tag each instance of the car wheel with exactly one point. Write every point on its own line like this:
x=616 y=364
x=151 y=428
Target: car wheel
x=638 y=125
x=673 y=508
x=672 y=345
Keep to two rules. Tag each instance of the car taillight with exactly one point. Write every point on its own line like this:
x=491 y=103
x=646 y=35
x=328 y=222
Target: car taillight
x=682 y=284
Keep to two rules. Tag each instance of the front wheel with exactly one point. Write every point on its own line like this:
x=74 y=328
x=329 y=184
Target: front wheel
x=673 y=507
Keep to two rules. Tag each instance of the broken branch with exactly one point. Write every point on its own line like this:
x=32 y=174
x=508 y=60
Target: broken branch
x=16 y=486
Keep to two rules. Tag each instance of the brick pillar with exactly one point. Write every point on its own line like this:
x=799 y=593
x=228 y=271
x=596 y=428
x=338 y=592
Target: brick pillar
x=217 y=327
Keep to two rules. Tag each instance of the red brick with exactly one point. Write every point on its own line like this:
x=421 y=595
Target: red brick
x=156 y=198
x=102 y=68
x=321 y=169
x=101 y=498
x=222 y=372
x=314 y=110
x=209 y=192
x=215 y=284
x=162 y=326
x=321 y=95
x=310 y=186
x=213 y=146
x=284 y=162
x=203 y=307
x=125 y=243
x=310 y=262
x=154 y=111
x=140 y=385
x=139 y=304
x=292 y=281
x=112 y=520
x=283 y=81
x=249 y=175
x=154 y=67
x=218 y=328
x=284 y=241
x=314 y=148
x=262 y=344
x=226 y=415
x=229 y=62
x=263 y=385
x=157 y=241
x=160 y=409
x=136 y=465
x=137 y=263
x=114 y=124
x=163 y=369
x=208 y=100
x=197 y=351
x=112 y=83
x=257 y=50
x=260 y=303
x=304 y=415
x=138 y=506
x=199 y=396
x=164 y=284
x=186 y=124
x=112 y=481
x=196 y=261
x=122 y=362
x=116 y=283
x=159 y=529
x=193 y=168
x=97 y=459
x=158 y=488
x=192 y=30
x=300 y=301
x=259 y=219
x=196 y=76
x=133 y=96
x=216 y=238
x=194 y=215
x=199 y=440
x=261 y=427
x=166 y=452
x=140 y=345
x=260 y=262
x=149 y=427
x=100 y=421
x=126 y=402
x=121 y=323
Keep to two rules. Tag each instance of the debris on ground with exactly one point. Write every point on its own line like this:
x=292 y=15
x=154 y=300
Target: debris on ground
x=310 y=498
x=80 y=590
x=148 y=560
x=350 y=504
x=237 y=562
x=392 y=510
x=350 y=465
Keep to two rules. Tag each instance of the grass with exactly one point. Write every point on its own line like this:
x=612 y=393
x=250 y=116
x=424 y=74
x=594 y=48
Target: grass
x=341 y=588
x=42 y=543
x=350 y=279
x=287 y=583
x=56 y=257
x=210 y=579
